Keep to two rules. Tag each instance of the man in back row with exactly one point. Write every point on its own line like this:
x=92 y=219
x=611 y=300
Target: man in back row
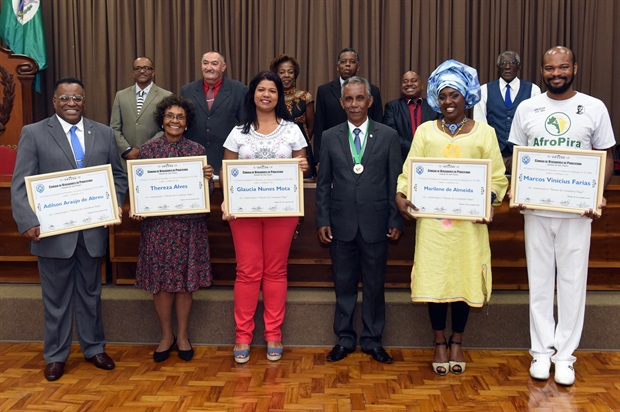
x=218 y=101
x=499 y=101
x=132 y=112
x=408 y=112
x=329 y=112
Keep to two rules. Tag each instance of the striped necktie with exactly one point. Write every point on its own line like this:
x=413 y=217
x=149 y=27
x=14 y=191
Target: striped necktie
x=140 y=101
x=77 y=147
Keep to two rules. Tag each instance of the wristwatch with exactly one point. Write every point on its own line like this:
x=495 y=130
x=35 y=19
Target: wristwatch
x=126 y=152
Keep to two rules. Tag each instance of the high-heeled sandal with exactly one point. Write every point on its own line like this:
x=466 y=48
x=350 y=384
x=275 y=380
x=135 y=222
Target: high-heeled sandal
x=454 y=364
x=443 y=365
x=274 y=354
x=242 y=355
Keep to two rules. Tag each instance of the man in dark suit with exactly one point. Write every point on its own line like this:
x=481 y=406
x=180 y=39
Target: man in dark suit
x=69 y=263
x=132 y=112
x=219 y=107
x=329 y=112
x=356 y=215
x=408 y=112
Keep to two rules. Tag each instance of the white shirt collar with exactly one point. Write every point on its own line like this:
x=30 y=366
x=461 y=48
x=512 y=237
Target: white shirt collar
x=514 y=84
x=147 y=89
x=66 y=126
x=363 y=127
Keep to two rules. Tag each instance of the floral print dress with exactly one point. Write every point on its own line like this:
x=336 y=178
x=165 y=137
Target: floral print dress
x=174 y=253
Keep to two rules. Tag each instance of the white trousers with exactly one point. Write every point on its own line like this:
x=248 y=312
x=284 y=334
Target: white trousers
x=564 y=244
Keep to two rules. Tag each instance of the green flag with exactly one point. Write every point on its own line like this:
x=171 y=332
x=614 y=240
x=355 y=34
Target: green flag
x=21 y=27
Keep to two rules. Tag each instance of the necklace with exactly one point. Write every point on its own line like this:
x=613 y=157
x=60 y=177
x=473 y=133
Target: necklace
x=454 y=128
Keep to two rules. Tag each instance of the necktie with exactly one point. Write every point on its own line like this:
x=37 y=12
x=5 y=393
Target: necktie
x=507 y=98
x=77 y=147
x=413 y=112
x=357 y=142
x=140 y=101
x=210 y=97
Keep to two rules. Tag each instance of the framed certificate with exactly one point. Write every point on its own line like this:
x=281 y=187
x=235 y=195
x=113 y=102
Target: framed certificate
x=73 y=200
x=263 y=187
x=168 y=186
x=450 y=188
x=557 y=180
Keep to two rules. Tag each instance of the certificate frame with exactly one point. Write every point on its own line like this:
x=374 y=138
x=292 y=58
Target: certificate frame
x=480 y=193
x=168 y=166
x=36 y=185
x=568 y=164
x=282 y=166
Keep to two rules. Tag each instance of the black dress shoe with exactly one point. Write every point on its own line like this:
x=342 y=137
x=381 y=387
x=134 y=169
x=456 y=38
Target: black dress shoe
x=380 y=355
x=102 y=361
x=54 y=370
x=162 y=356
x=339 y=352
x=186 y=355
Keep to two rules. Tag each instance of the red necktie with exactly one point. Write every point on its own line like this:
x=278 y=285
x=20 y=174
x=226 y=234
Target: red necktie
x=210 y=97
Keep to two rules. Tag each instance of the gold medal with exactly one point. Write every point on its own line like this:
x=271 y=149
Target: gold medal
x=358 y=169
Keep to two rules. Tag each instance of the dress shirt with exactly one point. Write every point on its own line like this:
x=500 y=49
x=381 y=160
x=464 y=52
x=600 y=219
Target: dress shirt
x=415 y=113
x=147 y=89
x=66 y=127
x=480 y=109
x=216 y=87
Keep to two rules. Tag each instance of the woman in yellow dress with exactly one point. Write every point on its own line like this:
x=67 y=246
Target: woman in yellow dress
x=452 y=261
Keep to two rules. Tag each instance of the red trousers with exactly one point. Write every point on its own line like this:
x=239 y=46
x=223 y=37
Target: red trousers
x=261 y=247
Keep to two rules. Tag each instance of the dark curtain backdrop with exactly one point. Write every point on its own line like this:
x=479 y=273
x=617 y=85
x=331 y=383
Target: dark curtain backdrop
x=97 y=40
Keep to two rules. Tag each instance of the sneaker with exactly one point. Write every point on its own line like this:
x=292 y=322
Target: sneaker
x=539 y=368
x=564 y=373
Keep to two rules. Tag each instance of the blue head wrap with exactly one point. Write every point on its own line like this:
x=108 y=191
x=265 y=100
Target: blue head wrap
x=458 y=76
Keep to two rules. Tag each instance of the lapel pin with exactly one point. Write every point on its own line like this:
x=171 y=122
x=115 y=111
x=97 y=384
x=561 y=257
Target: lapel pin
x=89 y=132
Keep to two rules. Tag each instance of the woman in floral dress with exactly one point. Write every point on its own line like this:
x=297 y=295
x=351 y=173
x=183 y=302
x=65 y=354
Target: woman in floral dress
x=174 y=256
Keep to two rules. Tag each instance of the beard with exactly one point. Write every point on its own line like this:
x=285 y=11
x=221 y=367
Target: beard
x=559 y=90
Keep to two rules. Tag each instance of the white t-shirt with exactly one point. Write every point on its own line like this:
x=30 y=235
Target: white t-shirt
x=279 y=144
x=581 y=122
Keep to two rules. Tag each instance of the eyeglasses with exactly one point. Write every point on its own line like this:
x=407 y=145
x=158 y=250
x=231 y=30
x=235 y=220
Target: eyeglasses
x=509 y=63
x=76 y=98
x=170 y=116
x=145 y=68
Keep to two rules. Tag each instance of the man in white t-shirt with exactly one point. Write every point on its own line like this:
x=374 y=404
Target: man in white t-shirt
x=565 y=119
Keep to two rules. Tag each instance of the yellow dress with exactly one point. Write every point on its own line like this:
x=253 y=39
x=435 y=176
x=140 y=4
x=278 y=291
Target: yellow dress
x=452 y=260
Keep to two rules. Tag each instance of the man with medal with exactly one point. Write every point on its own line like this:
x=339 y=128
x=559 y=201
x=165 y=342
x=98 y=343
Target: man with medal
x=356 y=216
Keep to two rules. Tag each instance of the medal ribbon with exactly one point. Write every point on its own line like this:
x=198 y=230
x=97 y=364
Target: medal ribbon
x=357 y=157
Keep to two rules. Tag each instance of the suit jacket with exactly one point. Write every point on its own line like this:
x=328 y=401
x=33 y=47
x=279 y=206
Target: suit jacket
x=213 y=126
x=398 y=117
x=329 y=112
x=44 y=148
x=130 y=128
x=347 y=201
